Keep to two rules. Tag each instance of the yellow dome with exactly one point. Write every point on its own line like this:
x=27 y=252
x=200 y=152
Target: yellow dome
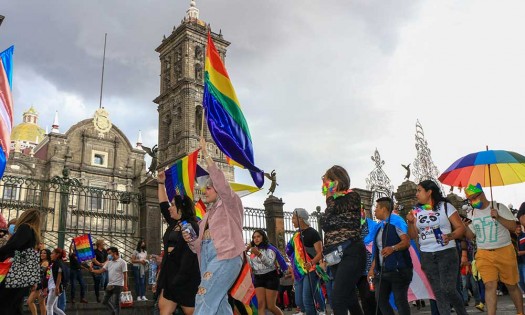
x=27 y=132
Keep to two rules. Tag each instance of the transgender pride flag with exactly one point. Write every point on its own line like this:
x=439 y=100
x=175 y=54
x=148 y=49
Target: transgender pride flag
x=6 y=105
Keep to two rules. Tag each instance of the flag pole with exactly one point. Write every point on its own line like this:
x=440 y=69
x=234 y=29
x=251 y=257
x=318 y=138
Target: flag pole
x=490 y=183
x=202 y=133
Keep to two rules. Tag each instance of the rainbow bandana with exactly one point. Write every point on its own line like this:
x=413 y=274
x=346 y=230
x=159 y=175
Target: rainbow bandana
x=472 y=190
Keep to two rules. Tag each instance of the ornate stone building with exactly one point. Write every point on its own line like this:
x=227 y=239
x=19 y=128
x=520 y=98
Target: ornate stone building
x=182 y=56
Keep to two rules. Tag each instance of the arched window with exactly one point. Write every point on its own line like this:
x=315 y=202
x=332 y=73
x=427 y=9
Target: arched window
x=198 y=72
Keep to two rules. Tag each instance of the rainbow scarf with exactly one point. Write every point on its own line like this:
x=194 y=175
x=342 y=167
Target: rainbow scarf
x=224 y=116
x=180 y=178
x=200 y=209
x=6 y=105
x=84 y=247
x=296 y=252
x=4 y=268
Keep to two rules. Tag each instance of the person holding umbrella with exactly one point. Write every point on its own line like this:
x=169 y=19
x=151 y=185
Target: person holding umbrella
x=496 y=257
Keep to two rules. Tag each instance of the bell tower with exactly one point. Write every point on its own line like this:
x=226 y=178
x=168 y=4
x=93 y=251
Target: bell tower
x=182 y=56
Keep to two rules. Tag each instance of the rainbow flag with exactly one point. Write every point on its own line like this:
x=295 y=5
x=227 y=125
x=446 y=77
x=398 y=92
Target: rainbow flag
x=296 y=252
x=6 y=105
x=224 y=116
x=4 y=268
x=200 y=209
x=180 y=178
x=84 y=247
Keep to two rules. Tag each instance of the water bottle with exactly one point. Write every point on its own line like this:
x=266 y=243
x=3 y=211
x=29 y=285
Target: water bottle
x=186 y=227
x=371 y=285
x=439 y=235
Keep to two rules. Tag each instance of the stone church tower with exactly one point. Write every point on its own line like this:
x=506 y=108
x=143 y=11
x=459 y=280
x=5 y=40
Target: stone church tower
x=182 y=56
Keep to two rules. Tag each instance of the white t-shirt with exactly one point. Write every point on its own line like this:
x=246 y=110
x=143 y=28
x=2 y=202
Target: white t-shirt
x=427 y=221
x=51 y=285
x=116 y=269
x=140 y=256
x=490 y=234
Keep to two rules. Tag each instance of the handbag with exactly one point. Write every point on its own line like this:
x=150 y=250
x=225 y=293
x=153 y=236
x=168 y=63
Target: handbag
x=25 y=269
x=126 y=299
x=333 y=256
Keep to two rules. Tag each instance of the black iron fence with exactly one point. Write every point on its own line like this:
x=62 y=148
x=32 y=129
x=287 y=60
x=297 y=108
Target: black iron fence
x=70 y=209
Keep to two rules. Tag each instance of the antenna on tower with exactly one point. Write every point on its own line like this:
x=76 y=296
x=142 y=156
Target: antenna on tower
x=102 y=80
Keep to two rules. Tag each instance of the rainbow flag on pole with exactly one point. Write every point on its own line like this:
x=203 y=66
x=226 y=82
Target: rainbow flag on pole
x=180 y=178
x=226 y=122
x=200 y=209
x=6 y=105
x=84 y=247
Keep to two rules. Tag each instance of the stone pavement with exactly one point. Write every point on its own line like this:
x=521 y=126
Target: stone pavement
x=505 y=307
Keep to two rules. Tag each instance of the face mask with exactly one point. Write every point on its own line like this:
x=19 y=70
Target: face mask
x=11 y=229
x=328 y=187
x=476 y=204
x=110 y=257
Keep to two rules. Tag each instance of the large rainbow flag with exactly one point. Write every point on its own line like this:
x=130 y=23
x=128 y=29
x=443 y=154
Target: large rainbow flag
x=296 y=252
x=180 y=178
x=84 y=247
x=226 y=122
x=6 y=105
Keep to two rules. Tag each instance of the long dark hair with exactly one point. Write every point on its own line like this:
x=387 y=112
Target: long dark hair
x=48 y=255
x=186 y=207
x=436 y=195
x=139 y=245
x=265 y=240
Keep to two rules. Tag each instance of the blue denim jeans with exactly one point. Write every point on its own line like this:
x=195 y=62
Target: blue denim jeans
x=521 y=270
x=62 y=301
x=468 y=280
x=76 y=275
x=304 y=297
x=217 y=276
x=140 y=282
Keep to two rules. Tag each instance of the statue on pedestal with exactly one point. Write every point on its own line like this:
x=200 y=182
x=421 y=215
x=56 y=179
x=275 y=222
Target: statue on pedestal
x=273 y=177
x=407 y=168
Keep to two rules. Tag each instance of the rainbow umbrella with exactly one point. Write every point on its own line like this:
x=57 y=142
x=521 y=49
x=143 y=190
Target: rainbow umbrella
x=489 y=168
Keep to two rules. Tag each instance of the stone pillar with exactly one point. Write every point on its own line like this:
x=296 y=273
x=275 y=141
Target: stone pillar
x=150 y=224
x=406 y=196
x=366 y=200
x=275 y=221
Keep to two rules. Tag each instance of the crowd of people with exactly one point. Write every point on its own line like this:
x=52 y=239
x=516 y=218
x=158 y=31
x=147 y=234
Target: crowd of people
x=355 y=267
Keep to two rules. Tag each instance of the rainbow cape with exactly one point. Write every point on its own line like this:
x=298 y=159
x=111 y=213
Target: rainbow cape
x=224 y=116
x=296 y=252
x=84 y=247
x=6 y=105
x=180 y=178
x=200 y=209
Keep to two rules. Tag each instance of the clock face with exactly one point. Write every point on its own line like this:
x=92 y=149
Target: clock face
x=101 y=121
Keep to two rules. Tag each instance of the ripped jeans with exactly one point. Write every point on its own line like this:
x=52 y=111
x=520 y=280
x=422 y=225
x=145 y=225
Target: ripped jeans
x=217 y=276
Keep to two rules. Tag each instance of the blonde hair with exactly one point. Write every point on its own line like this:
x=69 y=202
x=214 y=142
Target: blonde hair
x=30 y=217
x=99 y=243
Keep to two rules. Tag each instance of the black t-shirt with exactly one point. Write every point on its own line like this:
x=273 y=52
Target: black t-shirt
x=74 y=264
x=309 y=237
x=101 y=256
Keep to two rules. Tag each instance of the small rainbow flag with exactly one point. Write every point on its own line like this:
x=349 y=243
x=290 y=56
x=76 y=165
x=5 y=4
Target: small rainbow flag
x=180 y=178
x=84 y=247
x=200 y=209
x=4 y=268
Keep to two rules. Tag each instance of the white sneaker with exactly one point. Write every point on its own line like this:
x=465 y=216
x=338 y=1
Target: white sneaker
x=139 y=298
x=144 y=298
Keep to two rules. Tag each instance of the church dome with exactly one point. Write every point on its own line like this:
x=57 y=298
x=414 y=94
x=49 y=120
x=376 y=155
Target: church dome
x=27 y=131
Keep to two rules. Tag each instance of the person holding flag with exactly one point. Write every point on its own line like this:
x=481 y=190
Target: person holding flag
x=179 y=275
x=219 y=245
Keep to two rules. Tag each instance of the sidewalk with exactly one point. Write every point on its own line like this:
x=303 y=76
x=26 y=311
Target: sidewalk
x=505 y=307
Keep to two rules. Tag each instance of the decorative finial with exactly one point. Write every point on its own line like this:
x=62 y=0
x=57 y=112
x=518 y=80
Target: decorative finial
x=54 y=126
x=139 y=140
x=192 y=13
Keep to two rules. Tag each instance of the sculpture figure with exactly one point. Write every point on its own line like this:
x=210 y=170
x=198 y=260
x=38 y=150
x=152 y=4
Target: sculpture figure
x=407 y=168
x=152 y=169
x=273 y=177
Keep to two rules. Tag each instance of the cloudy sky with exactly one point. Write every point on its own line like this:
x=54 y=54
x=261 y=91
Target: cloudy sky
x=321 y=83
